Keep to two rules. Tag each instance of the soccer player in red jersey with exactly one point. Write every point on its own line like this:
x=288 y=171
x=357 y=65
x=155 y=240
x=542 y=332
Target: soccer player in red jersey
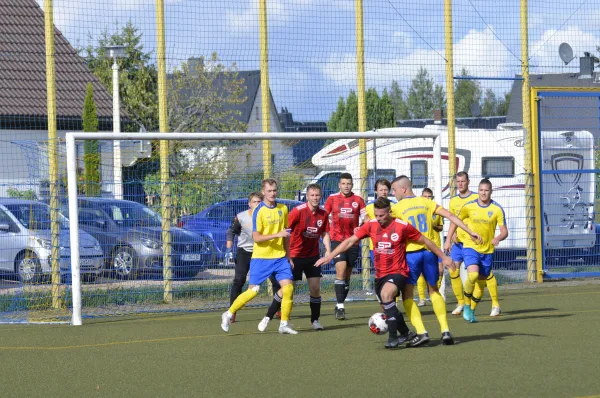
x=344 y=210
x=309 y=222
x=390 y=237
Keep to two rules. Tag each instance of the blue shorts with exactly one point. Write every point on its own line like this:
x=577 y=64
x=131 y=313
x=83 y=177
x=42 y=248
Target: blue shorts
x=484 y=261
x=422 y=262
x=457 y=253
x=262 y=268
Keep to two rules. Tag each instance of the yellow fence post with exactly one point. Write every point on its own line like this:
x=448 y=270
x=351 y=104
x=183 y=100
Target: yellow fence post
x=165 y=195
x=362 y=126
x=535 y=158
x=52 y=155
x=450 y=95
x=529 y=199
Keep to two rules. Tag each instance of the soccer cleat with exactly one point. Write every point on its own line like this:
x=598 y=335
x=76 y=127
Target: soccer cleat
x=421 y=303
x=496 y=311
x=418 y=340
x=225 y=322
x=286 y=329
x=340 y=314
x=406 y=337
x=458 y=310
x=262 y=326
x=447 y=339
x=392 y=343
x=233 y=319
x=317 y=326
x=467 y=312
x=473 y=319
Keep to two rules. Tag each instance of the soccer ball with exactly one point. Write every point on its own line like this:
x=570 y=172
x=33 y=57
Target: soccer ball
x=377 y=323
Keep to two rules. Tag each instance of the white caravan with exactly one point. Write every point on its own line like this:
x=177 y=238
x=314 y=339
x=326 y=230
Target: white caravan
x=495 y=154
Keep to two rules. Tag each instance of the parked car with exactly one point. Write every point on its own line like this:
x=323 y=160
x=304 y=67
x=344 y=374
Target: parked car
x=216 y=219
x=131 y=238
x=25 y=243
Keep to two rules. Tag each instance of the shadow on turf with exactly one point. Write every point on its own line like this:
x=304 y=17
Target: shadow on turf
x=529 y=311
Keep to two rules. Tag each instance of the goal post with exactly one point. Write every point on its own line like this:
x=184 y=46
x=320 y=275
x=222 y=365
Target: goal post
x=386 y=139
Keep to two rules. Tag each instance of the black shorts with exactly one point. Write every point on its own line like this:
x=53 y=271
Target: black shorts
x=349 y=256
x=306 y=265
x=397 y=279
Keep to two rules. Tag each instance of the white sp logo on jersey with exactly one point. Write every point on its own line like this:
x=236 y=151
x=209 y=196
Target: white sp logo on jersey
x=384 y=245
x=345 y=210
x=354 y=204
x=394 y=237
x=319 y=223
x=312 y=229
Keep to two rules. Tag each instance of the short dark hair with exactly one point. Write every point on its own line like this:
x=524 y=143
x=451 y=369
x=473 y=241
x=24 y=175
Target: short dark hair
x=382 y=203
x=269 y=181
x=316 y=187
x=399 y=178
x=486 y=182
x=383 y=181
x=428 y=190
x=462 y=174
x=346 y=176
x=255 y=195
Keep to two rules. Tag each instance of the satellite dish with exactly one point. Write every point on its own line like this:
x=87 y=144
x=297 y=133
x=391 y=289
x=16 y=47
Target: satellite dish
x=566 y=53
x=475 y=109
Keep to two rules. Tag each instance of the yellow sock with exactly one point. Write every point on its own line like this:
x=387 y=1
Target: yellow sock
x=421 y=287
x=414 y=315
x=477 y=293
x=457 y=286
x=470 y=286
x=286 y=301
x=439 y=307
x=492 y=285
x=242 y=299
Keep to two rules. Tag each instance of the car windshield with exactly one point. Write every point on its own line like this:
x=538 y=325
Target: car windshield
x=35 y=216
x=132 y=214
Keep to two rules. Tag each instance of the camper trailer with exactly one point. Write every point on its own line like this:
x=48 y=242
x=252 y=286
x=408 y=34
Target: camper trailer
x=568 y=199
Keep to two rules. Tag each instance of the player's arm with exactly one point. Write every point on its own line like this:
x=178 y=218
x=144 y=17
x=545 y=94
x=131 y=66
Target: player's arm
x=432 y=247
x=439 y=225
x=450 y=237
x=345 y=245
x=326 y=242
x=440 y=211
x=234 y=229
x=500 y=237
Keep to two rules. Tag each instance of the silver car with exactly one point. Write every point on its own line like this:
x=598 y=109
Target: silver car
x=25 y=243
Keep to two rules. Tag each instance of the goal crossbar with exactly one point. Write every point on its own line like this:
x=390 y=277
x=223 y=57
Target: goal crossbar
x=71 y=137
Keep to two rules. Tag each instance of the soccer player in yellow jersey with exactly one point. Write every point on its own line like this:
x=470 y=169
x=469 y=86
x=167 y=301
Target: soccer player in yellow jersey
x=483 y=215
x=419 y=211
x=270 y=255
x=438 y=226
x=456 y=240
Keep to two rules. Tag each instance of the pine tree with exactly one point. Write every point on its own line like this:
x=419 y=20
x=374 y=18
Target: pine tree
x=466 y=93
x=91 y=155
x=397 y=97
x=386 y=115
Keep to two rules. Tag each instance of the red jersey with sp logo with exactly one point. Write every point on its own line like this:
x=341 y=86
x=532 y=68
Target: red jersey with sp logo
x=344 y=214
x=389 y=245
x=307 y=227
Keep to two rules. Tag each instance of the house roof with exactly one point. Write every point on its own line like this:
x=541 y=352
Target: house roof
x=23 y=67
x=559 y=113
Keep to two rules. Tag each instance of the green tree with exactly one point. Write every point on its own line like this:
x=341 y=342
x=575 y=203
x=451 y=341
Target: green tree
x=386 y=114
x=350 y=118
x=502 y=108
x=138 y=77
x=335 y=121
x=466 y=93
x=424 y=96
x=91 y=155
x=490 y=103
x=397 y=96
x=372 y=108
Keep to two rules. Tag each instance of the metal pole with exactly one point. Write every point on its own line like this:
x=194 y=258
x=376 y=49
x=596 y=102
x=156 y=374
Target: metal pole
x=117 y=168
x=450 y=96
x=529 y=199
x=74 y=230
x=52 y=156
x=264 y=86
x=165 y=194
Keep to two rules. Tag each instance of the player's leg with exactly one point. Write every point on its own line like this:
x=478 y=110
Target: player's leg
x=471 y=259
x=421 y=288
x=388 y=294
x=457 y=285
x=431 y=273
x=485 y=267
x=313 y=278
x=352 y=254
x=340 y=262
x=415 y=265
x=441 y=283
x=283 y=273
x=275 y=306
x=492 y=285
x=242 y=266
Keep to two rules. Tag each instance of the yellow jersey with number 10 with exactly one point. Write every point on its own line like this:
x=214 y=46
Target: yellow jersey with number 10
x=482 y=220
x=418 y=211
x=456 y=203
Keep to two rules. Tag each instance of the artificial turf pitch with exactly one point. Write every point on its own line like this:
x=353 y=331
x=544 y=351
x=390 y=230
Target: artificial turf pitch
x=545 y=343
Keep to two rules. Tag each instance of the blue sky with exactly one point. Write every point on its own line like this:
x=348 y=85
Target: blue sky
x=312 y=42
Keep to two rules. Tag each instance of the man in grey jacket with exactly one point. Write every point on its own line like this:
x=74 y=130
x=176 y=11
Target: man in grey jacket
x=242 y=227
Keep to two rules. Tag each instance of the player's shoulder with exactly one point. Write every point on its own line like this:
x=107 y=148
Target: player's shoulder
x=401 y=222
x=281 y=206
x=497 y=206
x=299 y=207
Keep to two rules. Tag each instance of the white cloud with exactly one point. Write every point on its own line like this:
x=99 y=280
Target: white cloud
x=246 y=21
x=544 y=51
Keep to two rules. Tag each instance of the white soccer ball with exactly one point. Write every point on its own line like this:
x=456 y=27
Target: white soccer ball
x=377 y=323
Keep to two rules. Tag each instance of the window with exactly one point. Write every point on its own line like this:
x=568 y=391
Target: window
x=498 y=167
x=374 y=175
x=329 y=183
x=418 y=173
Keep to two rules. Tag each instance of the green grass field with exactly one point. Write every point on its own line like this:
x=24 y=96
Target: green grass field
x=544 y=344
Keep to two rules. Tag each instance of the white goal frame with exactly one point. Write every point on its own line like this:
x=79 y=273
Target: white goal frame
x=71 y=137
